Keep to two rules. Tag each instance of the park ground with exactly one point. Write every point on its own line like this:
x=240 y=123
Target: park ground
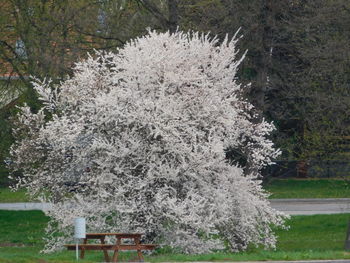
x=308 y=237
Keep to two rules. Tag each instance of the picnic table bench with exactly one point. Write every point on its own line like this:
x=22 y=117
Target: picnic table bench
x=118 y=246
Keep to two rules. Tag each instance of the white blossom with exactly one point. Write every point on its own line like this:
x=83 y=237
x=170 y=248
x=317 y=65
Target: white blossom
x=135 y=141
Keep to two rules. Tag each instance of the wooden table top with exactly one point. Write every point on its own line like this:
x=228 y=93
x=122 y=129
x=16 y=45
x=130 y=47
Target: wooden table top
x=124 y=235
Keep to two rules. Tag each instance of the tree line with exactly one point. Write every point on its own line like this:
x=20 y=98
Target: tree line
x=296 y=67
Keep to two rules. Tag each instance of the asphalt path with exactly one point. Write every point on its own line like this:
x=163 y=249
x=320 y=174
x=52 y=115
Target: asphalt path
x=24 y=206
x=312 y=206
x=289 y=206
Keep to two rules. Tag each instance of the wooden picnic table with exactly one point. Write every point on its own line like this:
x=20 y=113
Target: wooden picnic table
x=118 y=246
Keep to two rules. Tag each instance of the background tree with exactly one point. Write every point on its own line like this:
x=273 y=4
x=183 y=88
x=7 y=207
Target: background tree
x=271 y=53
x=166 y=12
x=324 y=81
x=296 y=61
x=45 y=38
x=292 y=80
x=312 y=100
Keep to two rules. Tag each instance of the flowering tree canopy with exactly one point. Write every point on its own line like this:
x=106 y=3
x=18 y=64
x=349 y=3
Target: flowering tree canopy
x=135 y=141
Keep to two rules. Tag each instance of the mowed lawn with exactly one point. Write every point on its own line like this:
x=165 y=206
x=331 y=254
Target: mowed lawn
x=279 y=188
x=8 y=196
x=309 y=237
x=308 y=188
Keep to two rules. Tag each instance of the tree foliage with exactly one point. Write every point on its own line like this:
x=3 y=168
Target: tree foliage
x=136 y=142
x=45 y=38
x=297 y=59
x=297 y=64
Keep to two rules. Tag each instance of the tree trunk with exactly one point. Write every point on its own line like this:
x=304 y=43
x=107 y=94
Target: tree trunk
x=347 y=241
x=263 y=62
x=173 y=15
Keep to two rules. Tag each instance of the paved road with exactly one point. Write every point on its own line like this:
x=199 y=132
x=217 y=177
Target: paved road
x=312 y=206
x=289 y=206
x=24 y=206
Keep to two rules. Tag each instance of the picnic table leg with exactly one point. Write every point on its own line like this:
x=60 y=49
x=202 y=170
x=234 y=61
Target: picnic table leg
x=116 y=248
x=139 y=252
x=115 y=255
x=105 y=252
x=82 y=253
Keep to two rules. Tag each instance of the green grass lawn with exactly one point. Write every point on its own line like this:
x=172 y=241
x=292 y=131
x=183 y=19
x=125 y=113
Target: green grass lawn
x=8 y=196
x=280 y=188
x=309 y=237
x=308 y=188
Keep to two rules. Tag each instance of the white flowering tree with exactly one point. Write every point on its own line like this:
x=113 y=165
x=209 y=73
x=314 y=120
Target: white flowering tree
x=135 y=142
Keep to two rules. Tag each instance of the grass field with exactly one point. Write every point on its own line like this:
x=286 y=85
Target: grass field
x=280 y=188
x=7 y=196
x=309 y=237
x=308 y=188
